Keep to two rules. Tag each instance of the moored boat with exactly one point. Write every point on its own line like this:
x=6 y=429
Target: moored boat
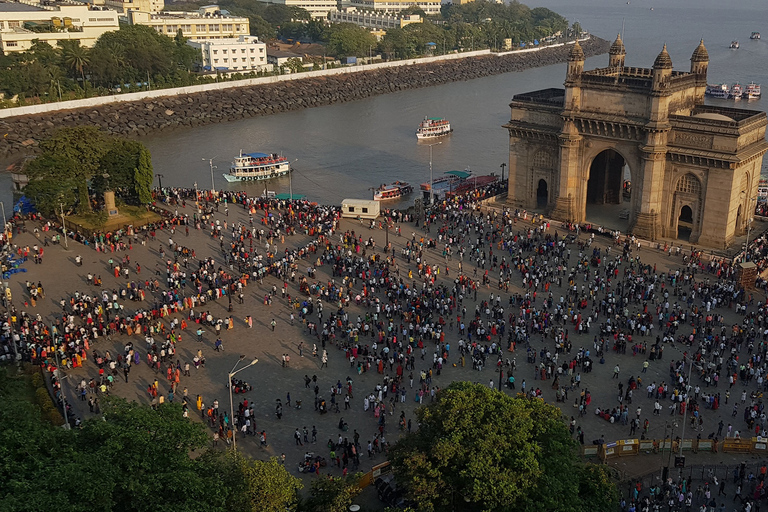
x=734 y=45
x=752 y=91
x=736 y=91
x=432 y=127
x=717 y=91
x=439 y=187
x=755 y=35
x=257 y=167
x=395 y=190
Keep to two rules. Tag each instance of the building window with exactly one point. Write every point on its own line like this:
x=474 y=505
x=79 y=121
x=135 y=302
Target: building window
x=689 y=184
x=213 y=28
x=11 y=43
x=186 y=28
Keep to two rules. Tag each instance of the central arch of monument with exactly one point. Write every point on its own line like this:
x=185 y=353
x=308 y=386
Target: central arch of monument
x=690 y=164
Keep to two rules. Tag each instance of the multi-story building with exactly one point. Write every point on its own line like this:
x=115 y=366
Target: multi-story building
x=317 y=8
x=22 y=23
x=126 y=6
x=375 y=21
x=208 y=23
x=428 y=6
x=244 y=53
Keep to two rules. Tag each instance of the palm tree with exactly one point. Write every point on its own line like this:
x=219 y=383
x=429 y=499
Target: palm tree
x=75 y=57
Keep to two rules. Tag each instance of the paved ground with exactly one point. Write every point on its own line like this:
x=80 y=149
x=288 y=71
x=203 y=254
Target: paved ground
x=61 y=278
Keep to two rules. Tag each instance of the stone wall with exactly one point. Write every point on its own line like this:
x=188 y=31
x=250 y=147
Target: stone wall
x=21 y=134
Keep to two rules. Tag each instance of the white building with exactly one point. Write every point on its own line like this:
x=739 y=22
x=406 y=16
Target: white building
x=393 y=6
x=52 y=23
x=126 y=6
x=373 y=20
x=317 y=8
x=244 y=53
x=208 y=23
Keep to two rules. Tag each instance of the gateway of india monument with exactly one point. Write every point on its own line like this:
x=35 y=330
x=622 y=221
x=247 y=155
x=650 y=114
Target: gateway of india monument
x=637 y=145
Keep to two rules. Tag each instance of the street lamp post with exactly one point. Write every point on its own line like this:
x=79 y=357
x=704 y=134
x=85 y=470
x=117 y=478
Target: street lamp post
x=503 y=166
x=7 y=297
x=431 y=192
x=210 y=162
x=232 y=373
x=5 y=222
x=689 y=361
x=60 y=376
x=160 y=179
x=63 y=226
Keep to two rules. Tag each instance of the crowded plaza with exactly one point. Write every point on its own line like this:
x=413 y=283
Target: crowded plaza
x=292 y=332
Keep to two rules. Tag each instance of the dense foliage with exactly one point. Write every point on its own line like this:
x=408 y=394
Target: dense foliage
x=77 y=162
x=135 y=459
x=137 y=57
x=479 y=449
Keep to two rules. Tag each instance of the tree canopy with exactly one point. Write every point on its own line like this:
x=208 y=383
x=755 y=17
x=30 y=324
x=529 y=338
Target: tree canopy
x=134 y=459
x=479 y=449
x=85 y=159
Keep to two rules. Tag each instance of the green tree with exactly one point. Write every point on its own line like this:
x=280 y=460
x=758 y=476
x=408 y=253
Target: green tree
x=75 y=57
x=143 y=177
x=347 y=40
x=265 y=486
x=479 y=449
x=79 y=149
x=332 y=494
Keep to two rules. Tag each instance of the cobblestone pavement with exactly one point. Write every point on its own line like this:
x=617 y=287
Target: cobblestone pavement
x=271 y=381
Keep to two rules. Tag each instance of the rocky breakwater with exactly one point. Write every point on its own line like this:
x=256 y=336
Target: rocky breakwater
x=138 y=118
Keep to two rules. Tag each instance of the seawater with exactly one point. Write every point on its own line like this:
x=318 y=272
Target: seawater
x=343 y=150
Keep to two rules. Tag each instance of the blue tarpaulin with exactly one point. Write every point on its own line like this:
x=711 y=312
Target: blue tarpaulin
x=24 y=206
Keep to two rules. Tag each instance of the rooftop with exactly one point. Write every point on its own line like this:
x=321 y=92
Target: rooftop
x=17 y=7
x=551 y=96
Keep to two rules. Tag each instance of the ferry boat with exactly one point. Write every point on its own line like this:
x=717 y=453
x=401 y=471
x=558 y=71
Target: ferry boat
x=257 y=167
x=717 y=91
x=734 y=45
x=432 y=127
x=755 y=35
x=752 y=92
x=736 y=91
x=762 y=191
x=439 y=187
x=396 y=190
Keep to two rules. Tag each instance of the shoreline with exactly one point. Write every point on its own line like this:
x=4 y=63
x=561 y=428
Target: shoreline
x=141 y=117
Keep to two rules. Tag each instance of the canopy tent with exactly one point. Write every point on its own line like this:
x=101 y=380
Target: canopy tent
x=459 y=174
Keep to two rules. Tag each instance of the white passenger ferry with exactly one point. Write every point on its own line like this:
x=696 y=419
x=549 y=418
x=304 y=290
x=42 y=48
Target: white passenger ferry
x=257 y=167
x=432 y=127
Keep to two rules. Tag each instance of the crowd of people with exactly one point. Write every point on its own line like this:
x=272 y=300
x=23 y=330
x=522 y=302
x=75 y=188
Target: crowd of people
x=463 y=287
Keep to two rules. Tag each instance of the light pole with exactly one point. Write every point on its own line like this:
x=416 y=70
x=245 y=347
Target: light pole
x=210 y=162
x=60 y=376
x=687 y=360
x=290 y=179
x=8 y=296
x=503 y=166
x=431 y=192
x=63 y=226
x=232 y=373
x=5 y=223
x=160 y=180
x=750 y=212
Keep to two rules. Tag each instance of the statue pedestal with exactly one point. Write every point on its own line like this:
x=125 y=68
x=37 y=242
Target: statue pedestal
x=109 y=203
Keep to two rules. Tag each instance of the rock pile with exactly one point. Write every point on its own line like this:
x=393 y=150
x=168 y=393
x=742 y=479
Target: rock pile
x=142 y=117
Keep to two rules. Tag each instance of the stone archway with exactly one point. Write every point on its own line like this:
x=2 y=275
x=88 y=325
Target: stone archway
x=607 y=195
x=687 y=200
x=685 y=223
x=542 y=194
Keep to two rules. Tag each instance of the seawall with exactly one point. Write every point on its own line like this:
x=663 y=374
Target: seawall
x=21 y=133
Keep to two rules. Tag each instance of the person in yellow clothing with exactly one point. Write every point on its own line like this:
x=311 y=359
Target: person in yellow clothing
x=199 y=403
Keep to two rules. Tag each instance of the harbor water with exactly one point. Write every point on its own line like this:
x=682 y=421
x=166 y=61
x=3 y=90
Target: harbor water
x=346 y=149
